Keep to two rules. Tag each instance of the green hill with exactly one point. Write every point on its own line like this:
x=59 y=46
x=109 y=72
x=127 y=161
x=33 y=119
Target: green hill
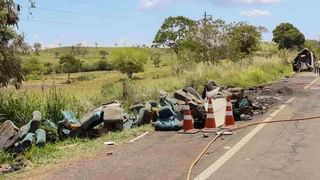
x=89 y=55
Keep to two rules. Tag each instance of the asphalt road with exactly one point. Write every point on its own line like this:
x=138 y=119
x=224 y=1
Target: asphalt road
x=278 y=151
x=284 y=151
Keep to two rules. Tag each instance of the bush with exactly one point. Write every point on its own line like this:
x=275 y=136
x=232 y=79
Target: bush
x=103 y=65
x=33 y=66
x=85 y=77
x=128 y=62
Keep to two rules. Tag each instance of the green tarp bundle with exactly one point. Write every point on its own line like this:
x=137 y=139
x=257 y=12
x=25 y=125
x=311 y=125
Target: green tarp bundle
x=168 y=120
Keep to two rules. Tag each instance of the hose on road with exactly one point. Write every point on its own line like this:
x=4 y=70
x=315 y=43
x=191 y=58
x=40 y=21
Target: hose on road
x=242 y=127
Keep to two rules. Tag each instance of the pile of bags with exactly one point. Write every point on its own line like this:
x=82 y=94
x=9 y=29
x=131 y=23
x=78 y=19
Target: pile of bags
x=165 y=115
x=108 y=117
x=18 y=140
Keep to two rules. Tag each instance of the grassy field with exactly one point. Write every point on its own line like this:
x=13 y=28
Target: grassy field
x=89 y=89
x=266 y=66
x=92 y=55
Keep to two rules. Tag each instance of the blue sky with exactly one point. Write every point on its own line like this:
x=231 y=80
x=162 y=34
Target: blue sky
x=128 y=22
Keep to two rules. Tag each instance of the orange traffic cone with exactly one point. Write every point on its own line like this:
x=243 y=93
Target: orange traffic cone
x=210 y=126
x=187 y=127
x=229 y=120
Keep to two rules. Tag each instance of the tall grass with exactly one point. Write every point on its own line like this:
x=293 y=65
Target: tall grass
x=18 y=107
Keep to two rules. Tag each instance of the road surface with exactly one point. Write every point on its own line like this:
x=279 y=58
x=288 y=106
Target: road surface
x=278 y=151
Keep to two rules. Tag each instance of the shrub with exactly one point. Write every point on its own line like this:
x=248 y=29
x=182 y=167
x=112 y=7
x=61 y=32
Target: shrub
x=33 y=66
x=129 y=62
x=86 y=77
x=103 y=65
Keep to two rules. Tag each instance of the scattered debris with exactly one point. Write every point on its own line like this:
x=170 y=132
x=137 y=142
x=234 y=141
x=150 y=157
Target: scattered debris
x=205 y=135
x=110 y=153
x=245 y=117
x=112 y=116
x=9 y=134
x=224 y=133
x=211 y=90
x=6 y=168
x=110 y=143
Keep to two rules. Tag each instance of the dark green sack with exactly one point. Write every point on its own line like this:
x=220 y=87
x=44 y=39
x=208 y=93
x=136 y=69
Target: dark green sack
x=168 y=124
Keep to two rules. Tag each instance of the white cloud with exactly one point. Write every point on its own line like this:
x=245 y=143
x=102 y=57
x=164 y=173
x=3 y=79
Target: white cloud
x=243 y=2
x=145 y=5
x=153 y=4
x=255 y=12
x=259 y=1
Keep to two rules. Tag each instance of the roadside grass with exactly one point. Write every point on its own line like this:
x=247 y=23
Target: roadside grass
x=71 y=148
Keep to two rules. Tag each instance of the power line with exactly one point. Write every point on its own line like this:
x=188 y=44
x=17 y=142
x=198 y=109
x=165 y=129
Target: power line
x=77 y=13
x=64 y=23
x=104 y=5
x=98 y=4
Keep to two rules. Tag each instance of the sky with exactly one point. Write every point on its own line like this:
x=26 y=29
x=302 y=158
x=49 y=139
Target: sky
x=135 y=22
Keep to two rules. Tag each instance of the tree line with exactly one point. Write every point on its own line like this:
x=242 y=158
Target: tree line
x=213 y=40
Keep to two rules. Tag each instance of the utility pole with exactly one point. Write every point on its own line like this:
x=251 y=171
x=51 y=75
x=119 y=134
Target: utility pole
x=205 y=20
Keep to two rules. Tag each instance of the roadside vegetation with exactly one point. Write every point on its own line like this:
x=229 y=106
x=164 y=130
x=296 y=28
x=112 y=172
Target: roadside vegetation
x=80 y=78
x=72 y=148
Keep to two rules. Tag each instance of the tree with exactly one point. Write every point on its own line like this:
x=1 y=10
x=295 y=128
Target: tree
x=103 y=54
x=49 y=67
x=70 y=64
x=245 y=39
x=57 y=54
x=210 y=41
x=78 y=48
x=156 y=59
x=37 y=48
x=10 y=64
x=287 y=36
x=128 y=62
x=173 y=32
x=103 y=65
x=33 y=66
x=73 y=50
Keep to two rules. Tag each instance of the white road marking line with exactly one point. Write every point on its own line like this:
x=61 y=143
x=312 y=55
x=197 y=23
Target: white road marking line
x=310 y=84
x=135 y=139
x=228 y=155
